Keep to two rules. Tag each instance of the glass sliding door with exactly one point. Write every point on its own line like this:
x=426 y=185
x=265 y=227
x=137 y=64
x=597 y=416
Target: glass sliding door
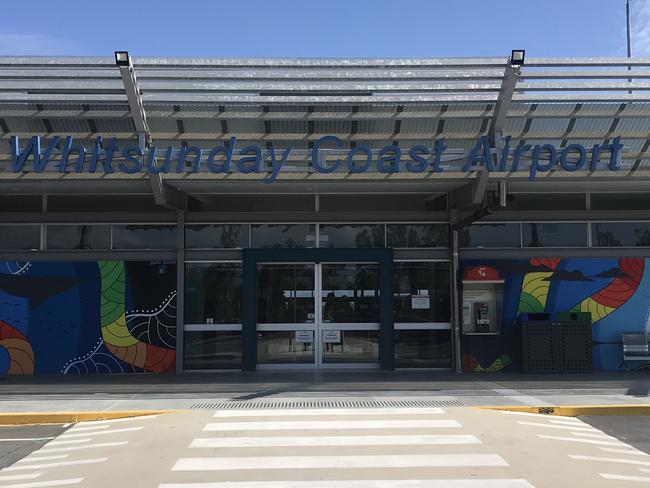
x=286 y=317
x=349 y=313
x=312 y=315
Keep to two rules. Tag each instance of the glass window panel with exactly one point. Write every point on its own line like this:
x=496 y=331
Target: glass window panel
x=350 y=293
x=620 y=201
x=350 y=346
x=61 y=237
x=21 y=203
x=421 y=292
x=212 y=350
x=285 y=294
x=103 y=203
x=546 y=201
x=213 y=293
x=417 y=235
x=282 y=347
x=423 y=349
x=20 y=237
x=549 y=234
x=146 y=236
x=352 y=235
x=377 y=202
x=620 y=234
x=491 y=235
x=216 y=236
x=283 y=235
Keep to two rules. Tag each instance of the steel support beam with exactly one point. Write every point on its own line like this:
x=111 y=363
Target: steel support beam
x=163 y=194
x=455 y=293
x=180 y=290
x=502 y=107
x=470 y=195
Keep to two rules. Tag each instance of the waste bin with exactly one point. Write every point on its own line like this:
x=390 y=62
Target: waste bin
x=555 y=342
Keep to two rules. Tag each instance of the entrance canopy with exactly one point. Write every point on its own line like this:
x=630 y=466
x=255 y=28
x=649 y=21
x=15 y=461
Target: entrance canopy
x=281 y=103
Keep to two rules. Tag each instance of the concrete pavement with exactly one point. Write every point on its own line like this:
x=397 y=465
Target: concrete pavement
x=333 y=448
x=16 y=442
x=146 y=392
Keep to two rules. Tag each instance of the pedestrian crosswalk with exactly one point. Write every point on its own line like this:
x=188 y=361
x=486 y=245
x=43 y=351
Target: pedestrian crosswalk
x=339 y=448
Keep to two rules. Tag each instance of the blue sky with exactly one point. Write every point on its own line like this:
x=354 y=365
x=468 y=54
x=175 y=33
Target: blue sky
x=325 y=28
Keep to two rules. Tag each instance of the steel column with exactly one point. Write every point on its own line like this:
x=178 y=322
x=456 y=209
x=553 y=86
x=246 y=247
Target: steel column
x=180 y=290
x=455 y=292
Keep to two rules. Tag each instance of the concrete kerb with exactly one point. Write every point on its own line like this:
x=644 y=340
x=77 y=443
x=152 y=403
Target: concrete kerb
x=28 y=418
x=576 y=410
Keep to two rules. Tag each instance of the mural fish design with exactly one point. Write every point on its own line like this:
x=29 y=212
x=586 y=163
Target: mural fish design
x=36 y=289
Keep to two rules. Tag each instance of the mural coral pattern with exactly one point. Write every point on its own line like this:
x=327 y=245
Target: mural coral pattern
x=71 y=317
x=616 y=293
x=116 y=335
x=534 y=290
x=19 y=351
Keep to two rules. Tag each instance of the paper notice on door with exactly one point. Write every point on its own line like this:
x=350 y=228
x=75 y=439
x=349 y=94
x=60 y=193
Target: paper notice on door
x=331 y=336
x=304 y=336
x=420 y=302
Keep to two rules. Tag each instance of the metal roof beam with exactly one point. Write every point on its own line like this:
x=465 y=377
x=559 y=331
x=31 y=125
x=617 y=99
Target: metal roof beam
x=163 y=194
x=134 y=97
x=502 y=107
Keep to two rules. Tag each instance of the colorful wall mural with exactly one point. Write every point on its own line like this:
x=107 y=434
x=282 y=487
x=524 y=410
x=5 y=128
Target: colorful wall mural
x=87 y=317
x=616 y=291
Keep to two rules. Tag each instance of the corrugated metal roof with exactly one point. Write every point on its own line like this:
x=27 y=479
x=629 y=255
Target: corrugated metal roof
x=295 y=101
x=547 y=127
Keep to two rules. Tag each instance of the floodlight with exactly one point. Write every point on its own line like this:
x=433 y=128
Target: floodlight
x=122 y=58
x=517 y=57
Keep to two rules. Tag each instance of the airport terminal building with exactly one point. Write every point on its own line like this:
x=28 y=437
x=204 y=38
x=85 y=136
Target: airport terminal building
x=170 y=215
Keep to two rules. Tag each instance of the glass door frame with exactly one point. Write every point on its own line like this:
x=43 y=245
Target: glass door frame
x=317 y=326
x=382 y=256
x=340 y=326
x=294 y=326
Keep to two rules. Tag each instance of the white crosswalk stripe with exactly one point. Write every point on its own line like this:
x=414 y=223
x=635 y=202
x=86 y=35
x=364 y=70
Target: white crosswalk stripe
x=585 y=428
x=55 y=465
x=332 y=424
x=338 y=462
x=370 y=440
x=45 y=484
x=429 y=483
x=318 y=412
x=621 y=477
x=83 y=447
x=584 y=441
x=630 y=451
x=32 y=458
x=19 y=477
x=66 y=435
x=609 y=460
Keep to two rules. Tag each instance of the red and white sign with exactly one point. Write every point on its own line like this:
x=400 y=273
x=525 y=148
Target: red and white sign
x=481 y=273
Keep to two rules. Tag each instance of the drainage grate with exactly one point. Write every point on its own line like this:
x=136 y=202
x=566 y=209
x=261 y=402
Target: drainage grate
x=326 y=404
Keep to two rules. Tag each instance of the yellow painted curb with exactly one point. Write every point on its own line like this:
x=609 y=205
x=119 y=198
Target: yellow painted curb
x=72 y=417
x=575 y=410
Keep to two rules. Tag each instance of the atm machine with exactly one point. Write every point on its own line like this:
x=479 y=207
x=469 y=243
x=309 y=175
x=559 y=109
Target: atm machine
x=482 y=301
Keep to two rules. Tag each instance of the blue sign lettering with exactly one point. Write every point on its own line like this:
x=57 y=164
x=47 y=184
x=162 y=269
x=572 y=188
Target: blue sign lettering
x=227 y=158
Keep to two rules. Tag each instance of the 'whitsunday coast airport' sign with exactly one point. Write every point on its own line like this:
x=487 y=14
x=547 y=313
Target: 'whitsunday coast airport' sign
x=107 y=156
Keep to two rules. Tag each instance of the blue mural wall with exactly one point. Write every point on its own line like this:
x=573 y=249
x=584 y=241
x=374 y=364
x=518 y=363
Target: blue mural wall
x=87 y=317
x=616 y=291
